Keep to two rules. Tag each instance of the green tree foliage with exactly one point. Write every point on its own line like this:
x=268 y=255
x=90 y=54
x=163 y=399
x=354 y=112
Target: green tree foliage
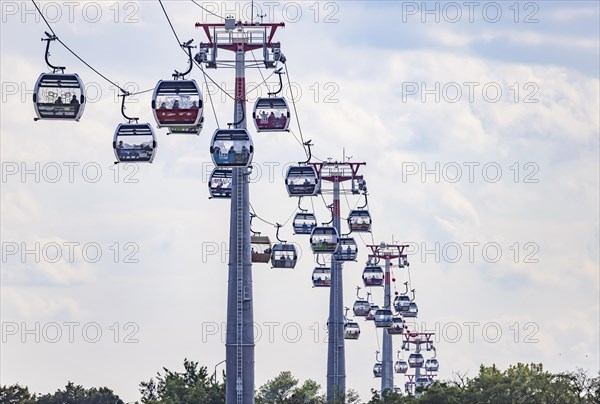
x=521 y=383
x=284 y=389
x=15 y=394
x=192 y=386
x=75 y=394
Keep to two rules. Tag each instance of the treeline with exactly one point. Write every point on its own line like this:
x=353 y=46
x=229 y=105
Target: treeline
x=521 y=383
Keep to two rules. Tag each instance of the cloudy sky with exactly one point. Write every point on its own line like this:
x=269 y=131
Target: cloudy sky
x=479 y=125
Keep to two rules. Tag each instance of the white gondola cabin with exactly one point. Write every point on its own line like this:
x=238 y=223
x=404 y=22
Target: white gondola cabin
x=383 y=318
x=423 y=382
x=359 y=221
x=371 y=315
x=324 y=240
x=377 y=369
x=401 y=366
x=260 y=249
x=402 y=303
x=351 y=330
x=134 y=143
x=412 y=312
x=284 y=255
x=321 y=277
x=432 y=365
x=231 y=148
x=219 y=184
x=361 y=308
x=302 y=180
x=271 y=114
x=177 y=103
x=59 y=97
x=347 y=249
x=373 y=276
x=397 y=327
x=304 y=223
x=416 y=360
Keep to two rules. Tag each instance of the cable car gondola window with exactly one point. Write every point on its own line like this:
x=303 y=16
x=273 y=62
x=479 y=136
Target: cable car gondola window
x=302 y=181
x=377 y=369
x=373 y=276
x=402 y=303
x=324 y=240
x=261 y=249
x=371 y=315
x=432 y=365
x=413 y=310
x=177 y=103
x=59 y=97
x=220 y=183
x=415 y=360
x=347 y=249
x=284 y=256
x=134 y=143
x=383 y=318
x=401 y=366
x=351 y=330
x=271 y=114
x=304 y=223
x=361 y=308
x=359 y=221
x=231 y=148
x=321 y=277
x=397 y=327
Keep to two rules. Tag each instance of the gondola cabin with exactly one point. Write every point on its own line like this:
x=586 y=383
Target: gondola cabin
x=231 y=148
x=412 y=312
x=423 y=382
x=401 y=366
x=351 y=330
x=361 y=308
x=383 y=318
x=373 y=276
x=321 y=277
x=397 y=327
x=284 y=255
x=271 y=114
x=59 y=97
x=324 y=240
x=402 y=303
x=134 y=143
x=260 y=249
x=302 y=180
x=359 y=221
x=371 y=315
x=219 y=184
x=304 y=223
x=347 y=249
x=432 y=365
x=416 y=360
x=177 y=103
x=377 y=369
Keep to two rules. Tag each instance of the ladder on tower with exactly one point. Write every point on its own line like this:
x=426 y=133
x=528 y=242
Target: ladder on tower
x=239 y=241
